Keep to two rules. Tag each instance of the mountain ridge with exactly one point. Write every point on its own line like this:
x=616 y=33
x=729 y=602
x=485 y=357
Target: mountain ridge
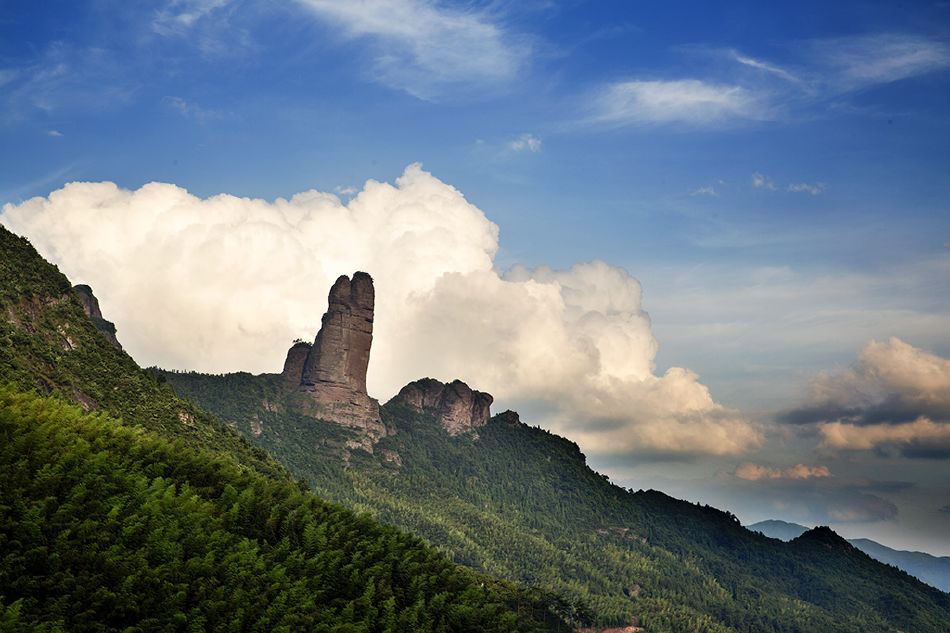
x=519 y=502
x=933 y=570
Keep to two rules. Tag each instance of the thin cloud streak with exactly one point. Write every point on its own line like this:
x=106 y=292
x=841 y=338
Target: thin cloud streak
x=685 y=101
x=764 y=66
x=830 y=68
x=853 y=63
x=423 y=48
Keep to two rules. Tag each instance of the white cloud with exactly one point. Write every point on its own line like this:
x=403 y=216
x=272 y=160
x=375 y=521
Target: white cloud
x=885 y=370
x=922 y=433
x=804 y=187
x=762 y=182
x=225 y=283
x=178 y=16
x=54 y=133
x=758 y=64
x=705 y=191
x=755 y=472
x=897 y=396
x=525 y=142
x=687 y=101
x=858 y=61
x=423 y=47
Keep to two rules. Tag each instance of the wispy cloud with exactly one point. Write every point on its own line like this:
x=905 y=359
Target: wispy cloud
x=767 y=67
x=855 y=62
x=178 y=16
x=760 y=181
x=705 y=191
x=804 y=187
x=64 y=77
x=686 y=101
x=423 y=47
x=191 y=109
x=54 y=133
x=525 y=143
x=822 y=71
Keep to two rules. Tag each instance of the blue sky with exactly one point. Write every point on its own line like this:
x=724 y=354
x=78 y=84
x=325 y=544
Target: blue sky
x=775 y=175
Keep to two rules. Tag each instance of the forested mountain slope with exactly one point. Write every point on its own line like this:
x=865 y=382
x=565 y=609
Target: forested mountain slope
x=933 y=570
x=521 y=503
x=133 y=509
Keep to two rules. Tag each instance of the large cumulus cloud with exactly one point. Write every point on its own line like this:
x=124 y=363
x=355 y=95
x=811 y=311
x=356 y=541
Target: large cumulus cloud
x=896 y=398
x=225 y=283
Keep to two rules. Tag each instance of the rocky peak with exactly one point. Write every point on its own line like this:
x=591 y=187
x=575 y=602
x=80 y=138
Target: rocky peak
x=90 y=306
x=509 y=417
x=293 y=364
x=456 y=406
x=340 y=353
x=333 y=371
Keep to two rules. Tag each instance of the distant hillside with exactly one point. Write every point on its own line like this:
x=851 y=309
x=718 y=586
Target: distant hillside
x=519 y=502
x=933 y=570
x=125 y=507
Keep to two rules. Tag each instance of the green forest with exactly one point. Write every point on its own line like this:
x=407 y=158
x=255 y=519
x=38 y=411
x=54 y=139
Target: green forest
x=124 y=507
x=148 y=500
x=520 y=503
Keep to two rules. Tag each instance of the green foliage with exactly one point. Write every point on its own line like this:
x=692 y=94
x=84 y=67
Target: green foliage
x=520 y=503
x=166 y=519
x=48 y=343
x=109 y=527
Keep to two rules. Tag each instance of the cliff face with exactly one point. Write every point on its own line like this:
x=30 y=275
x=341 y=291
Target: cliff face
x=457 y=407
x=90 y=306
x=332 y=372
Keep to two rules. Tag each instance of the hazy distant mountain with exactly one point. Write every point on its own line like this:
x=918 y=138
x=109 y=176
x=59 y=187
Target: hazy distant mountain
x=782 y=530
x=933 y=570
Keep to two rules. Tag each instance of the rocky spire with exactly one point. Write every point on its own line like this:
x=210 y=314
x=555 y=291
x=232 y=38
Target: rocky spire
x=340 y=354
x=456 y=406
x=90 y=306
x=293 y=364
x=334 y=371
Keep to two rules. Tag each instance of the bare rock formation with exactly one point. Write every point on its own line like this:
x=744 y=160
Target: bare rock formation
x=90 y=306
x=333 y=373
x=296 y=358
x=457 y=407
x=509 y=417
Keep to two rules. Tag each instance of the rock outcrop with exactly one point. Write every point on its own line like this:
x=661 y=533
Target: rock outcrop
x=456 y=406
x=293 y=364
x=509 y=417
x=90 y=306
x=333 y=372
